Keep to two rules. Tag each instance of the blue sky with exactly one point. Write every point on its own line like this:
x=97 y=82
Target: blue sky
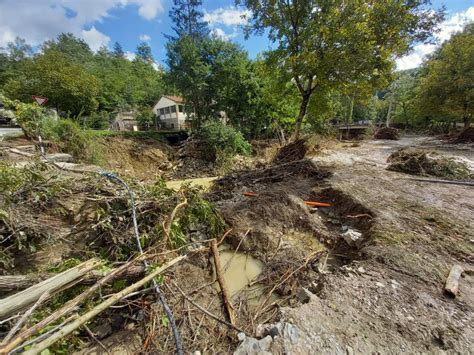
x=102 y=22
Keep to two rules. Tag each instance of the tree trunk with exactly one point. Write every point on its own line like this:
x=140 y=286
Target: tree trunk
x=467 y=121
x=389 y=113
x=301 y=114
x=349 y=116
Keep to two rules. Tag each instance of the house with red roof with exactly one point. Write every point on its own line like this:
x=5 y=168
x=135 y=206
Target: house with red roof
x=172 y=113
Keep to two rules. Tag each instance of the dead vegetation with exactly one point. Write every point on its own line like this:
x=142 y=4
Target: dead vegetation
x=418 y=162
x=466 y=136
x=387 y=133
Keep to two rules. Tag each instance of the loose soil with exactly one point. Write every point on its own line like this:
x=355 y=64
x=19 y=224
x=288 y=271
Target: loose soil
x=381 y=291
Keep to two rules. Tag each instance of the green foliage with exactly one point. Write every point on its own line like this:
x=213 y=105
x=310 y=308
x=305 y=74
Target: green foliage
x=334 y=44
x=221 y=138
x=72 y=139
x=445 y=88
x=98 y=120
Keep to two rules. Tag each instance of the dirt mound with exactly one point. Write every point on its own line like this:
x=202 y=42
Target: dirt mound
x=387 y=133
x=291 y=152
x=418 y=162
x=466 y=136
x=144 y=159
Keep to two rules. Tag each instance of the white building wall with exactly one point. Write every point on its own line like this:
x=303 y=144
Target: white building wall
x=168 y=112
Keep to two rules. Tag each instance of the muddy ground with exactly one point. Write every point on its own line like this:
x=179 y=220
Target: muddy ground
x=364 y=275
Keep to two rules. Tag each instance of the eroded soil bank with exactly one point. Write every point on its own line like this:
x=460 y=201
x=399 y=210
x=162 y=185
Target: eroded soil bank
x=363 y=275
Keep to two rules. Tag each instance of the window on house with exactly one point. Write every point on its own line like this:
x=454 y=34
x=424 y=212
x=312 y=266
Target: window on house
x=162 y=111
x=167 y=109
x=173 y=109
x=172 y=125
x=180 y=108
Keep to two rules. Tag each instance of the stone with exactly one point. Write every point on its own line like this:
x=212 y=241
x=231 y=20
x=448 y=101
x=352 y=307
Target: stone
x=59 y=157
x=303 y=295
x=351 y=236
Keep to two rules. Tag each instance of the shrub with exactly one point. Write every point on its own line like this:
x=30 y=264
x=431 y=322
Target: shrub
x=220 y=138
x=98 y=120
x=70 y=138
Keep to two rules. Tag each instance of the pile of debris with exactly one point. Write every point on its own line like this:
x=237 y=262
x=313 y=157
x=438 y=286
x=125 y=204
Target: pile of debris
x=291 y=152
x=466 y=136
x=387 y=133
x=418 y=162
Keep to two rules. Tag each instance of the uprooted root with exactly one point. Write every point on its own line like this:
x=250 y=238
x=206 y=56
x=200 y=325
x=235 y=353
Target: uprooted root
x=291 y=152
x=418 y=162
x=387 y=133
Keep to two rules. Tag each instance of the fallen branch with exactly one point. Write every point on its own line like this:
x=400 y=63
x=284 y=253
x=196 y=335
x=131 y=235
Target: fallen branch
x=452 y=282
x=20 y=282
x=20 y=300
x=24 y=317
x=65 y=309
x=222 y=284
x=450 y=182
x=69 y=328
x=168 y=223
x=205 y=311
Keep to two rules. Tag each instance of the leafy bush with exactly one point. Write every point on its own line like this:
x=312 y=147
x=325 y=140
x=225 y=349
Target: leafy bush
x=71 y=139
x=98 y=120
x=220 y=138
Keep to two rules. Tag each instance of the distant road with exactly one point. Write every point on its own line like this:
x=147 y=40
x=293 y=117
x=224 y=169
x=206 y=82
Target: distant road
x=7 y=131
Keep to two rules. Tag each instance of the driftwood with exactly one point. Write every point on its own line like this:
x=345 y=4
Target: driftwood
x=220 y=277
x=20 y=282
x=69 y=328
x=452 y=282
x=66 y=308
x=205 y=311
x=438 y=181
x=25 y=298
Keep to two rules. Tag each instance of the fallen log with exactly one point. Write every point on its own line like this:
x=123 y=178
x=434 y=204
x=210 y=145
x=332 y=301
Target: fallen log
x=452 y=282
x=11 y=283
x=220 y=278
x=66 y=308
x=69 y=328
x=25 y=298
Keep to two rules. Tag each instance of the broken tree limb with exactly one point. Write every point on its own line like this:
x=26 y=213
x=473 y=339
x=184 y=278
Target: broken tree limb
x=169 y=222
x=452 y=282
x=20 y=282
x=69 y=328
x=205 y=311
x=66 y=308
x=24 y=317
x=23 y=299
x=220 y=278
x=450 y=182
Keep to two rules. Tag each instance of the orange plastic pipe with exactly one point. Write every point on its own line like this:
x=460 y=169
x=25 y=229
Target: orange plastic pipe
x=309 y=203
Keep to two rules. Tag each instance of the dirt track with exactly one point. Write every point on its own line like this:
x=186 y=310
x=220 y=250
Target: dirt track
x=391 y=299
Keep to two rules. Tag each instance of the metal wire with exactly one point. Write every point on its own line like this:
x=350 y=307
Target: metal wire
x=156 y=286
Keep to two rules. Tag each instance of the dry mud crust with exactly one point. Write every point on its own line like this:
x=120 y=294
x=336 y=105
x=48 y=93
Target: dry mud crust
x=419 y=162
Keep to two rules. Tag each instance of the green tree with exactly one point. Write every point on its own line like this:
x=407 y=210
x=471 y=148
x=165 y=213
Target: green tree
x=143 y=53
x=329 y=44
x=188 y=19
x=446 y=89
x=69 y=87
x=74 y=49
x=118 y=51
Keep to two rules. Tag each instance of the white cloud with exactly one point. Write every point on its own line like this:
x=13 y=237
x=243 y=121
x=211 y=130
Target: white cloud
x=94 y=38
x=144 y=38
x=37 y=21
x=230 y=16
x=129 y=55
x=447 y=28
x=220 y=33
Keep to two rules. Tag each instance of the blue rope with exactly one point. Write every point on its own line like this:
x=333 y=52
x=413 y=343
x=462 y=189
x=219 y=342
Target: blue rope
x=179 y=346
